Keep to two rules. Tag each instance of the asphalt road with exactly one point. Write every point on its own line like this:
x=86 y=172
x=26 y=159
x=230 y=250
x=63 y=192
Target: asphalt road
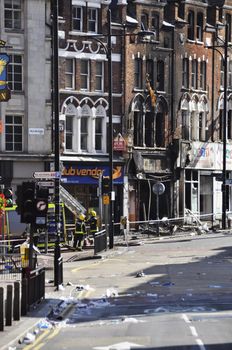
x=172 y=293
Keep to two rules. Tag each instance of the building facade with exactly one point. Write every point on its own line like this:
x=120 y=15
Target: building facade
x=26 y=123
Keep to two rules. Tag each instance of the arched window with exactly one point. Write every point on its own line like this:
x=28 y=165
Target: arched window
x=138 y=123
x=84 y=125
x=100 y=125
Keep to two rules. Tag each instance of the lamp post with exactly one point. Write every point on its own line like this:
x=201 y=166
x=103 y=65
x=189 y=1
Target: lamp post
x=225 y=122
x=58 y=275
x=225 y=116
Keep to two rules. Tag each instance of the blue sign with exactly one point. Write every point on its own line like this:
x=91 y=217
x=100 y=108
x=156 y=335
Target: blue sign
x=89 y=174
x=4 y=60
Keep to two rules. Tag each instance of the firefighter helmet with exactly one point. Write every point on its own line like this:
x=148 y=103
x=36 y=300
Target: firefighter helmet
x=82 y=217
x=93 y=213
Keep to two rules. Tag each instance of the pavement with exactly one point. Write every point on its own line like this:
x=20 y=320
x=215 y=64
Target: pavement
x=53 y=298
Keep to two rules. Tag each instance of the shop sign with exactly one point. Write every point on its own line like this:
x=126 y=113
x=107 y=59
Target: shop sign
x=90 y=174
x=119 y=143
x=205 y=155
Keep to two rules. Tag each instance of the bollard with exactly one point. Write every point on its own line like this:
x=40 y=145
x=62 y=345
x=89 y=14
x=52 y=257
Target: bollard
x=24 y=299
x=16 y=304
x=1 y=309
x=9 y=300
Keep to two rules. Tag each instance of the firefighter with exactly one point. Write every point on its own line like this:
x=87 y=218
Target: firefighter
x=92 y=221
x=80 y=231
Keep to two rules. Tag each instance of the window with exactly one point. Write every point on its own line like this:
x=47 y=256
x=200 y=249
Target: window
x=229 y=83
x=229 y=125
x=149 y=72
x=13 y=14
x=222 y=73
x=185 y=73
x=77 y=22
x=228 y=21
x=202 y=126
x=200 y=26
x=149 y=129
x=186 y=125
x=160 y=75
x=85 y=75
x=98 y=133
x=69 y=133
x=155 y=25
x=15 y=73
x=202 y=81
x=138 y=73
x=144 y=21
x=84 y=133
x=191 y=25
x=99 y=76
x=92 y=20
x=194 y=74
x=13 y=133
x=69 y=74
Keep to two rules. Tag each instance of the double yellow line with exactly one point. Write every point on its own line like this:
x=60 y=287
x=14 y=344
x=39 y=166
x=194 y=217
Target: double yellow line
x=45 y=336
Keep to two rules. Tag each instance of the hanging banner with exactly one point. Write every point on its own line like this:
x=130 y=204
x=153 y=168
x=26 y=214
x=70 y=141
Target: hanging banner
x=4 y=89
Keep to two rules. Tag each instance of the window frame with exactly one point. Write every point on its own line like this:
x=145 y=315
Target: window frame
x=12 y=73
x=99 y=77
x=13 y=125
x=160 y=75
x=202 y=77
x=85 y=75
x=194 y=74
x=13 y=12
x=79 y=28
x=70 y=75
x=191 y=26
x=69 y=131
x=138 y=72
x=200 y=21
x=92 y=21
x=185 y=72
x=155 y=19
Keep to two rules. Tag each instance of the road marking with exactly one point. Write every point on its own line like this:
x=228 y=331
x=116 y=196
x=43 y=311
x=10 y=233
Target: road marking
x=94 y=264
x=201 y=344
x=39 y=338
x=54 y=333
x=185 y=318
x=193 y=331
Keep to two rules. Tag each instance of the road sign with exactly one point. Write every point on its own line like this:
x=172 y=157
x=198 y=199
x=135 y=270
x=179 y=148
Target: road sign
x=158 y=188
x=47 y=175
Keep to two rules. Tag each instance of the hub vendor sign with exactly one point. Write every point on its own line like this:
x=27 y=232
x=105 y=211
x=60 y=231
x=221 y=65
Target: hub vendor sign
x=89 y=174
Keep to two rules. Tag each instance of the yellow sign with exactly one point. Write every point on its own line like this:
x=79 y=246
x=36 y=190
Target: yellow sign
x=106 y=199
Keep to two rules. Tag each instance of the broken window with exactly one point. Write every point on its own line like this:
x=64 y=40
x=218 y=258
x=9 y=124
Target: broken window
x=138 y=73
x=149 y=129
x=144 y=21
x=138 y=128
x=150 y=72
x=160 y=129
x=155 y=25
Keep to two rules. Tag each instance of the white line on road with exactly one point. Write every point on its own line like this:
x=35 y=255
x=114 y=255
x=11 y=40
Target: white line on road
x=185 y=318
x=201 y=344
x=193 y=331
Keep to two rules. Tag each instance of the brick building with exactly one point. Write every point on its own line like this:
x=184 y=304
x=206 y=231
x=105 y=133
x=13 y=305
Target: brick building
x=167 y=104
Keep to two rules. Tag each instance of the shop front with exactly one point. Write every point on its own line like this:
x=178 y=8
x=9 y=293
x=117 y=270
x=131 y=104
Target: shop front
x=200 y=182
x=83 y=181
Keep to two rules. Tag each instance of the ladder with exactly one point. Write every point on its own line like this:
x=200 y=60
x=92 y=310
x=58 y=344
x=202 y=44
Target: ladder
x=70 y=202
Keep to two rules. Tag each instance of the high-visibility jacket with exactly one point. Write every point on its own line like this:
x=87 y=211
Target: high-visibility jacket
x=80 y=227
x=93 y=224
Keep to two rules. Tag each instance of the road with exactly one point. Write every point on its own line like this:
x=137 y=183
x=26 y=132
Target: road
x=173 y=293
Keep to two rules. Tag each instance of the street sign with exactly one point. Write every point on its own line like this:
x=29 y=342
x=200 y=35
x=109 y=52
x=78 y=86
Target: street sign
x=47 y=175
x=45 y=183
x=158 y=188
x=228 y=181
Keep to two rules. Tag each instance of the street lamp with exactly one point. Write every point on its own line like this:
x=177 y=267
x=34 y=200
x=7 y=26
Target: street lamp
x=58 y=273
x=225 y=116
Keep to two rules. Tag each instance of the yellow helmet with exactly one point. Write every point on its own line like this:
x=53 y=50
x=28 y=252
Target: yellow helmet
x=82 y=217
x=93 y=213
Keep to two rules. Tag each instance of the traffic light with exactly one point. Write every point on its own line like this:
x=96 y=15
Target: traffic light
x=41 y=206
x=105 y=185
x=8 y=193
x=28 y=202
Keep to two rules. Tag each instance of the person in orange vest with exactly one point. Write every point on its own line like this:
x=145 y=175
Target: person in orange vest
x=80 y=231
